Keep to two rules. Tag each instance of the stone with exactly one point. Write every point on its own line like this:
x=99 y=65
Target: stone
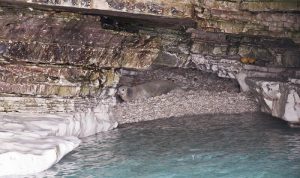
x=241 y=78
x=270 y=6
x=280 y=99
x=30 y=153
x=48 y=90
x=54 y=81
x=68 y=61
x=294 y=81
x=291 y=58
x=167 y=59
x=45 y=105
x=168 y=8
x=32 y=143
x=224 y=68
x=252 y=18
x=292 y=107
x=3 y=48
x=53 y=40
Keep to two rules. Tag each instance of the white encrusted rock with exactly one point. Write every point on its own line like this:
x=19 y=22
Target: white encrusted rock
x=32 y=142
x=292 y=107
x=225 y=68
x=280 y=99
x=241 y=78
x=26 y=152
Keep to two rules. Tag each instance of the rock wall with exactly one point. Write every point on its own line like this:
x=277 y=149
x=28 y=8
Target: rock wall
x=59 y=56
x=63 y=56
x=62 y=62
x=266 y=30
x=58 y=62
x=168 y=8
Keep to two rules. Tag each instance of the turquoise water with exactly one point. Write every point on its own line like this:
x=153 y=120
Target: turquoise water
x=208 y=146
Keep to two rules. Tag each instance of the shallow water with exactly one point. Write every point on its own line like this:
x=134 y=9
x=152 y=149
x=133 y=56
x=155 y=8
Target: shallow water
x=239 y=146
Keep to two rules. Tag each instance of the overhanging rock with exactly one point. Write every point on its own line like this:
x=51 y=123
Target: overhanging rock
x=168 y=8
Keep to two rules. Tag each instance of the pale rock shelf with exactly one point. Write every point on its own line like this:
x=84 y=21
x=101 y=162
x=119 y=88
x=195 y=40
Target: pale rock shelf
x=33 y=142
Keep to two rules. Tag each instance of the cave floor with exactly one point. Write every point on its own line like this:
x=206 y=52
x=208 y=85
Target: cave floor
x=199 y=93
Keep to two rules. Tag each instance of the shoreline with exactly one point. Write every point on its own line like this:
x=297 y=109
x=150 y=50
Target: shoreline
x=199 y=93
x=181 y=103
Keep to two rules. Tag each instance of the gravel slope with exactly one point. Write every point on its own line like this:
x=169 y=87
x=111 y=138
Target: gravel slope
x=202 y=93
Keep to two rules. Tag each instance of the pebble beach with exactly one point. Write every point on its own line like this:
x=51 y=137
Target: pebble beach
x=199 y=93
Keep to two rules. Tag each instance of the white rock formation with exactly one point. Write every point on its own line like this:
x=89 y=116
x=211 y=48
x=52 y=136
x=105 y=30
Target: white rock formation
x=32 y=143
x=241 y=78
x=292 y=107
x=225 y=68
x=280 y=99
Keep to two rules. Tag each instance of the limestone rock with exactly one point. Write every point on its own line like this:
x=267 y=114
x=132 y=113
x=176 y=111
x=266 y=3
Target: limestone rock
x=276 y=18
x=32 y=143
x=279 y=99
x=170 y=8
x=224 y=68
x=68 y=39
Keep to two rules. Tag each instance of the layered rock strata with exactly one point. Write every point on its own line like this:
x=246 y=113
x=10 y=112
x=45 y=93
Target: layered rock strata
x=42 y=74
x=60 y=61
x=168 y=8
x=66 y=56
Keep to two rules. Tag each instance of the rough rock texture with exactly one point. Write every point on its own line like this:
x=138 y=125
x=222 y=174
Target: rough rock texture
x=181 y=103
x=68 y=55
x=71 y=39
x=64 y=62
x=45 y=65
x=199 y=93
x=171 y=8
x=280 y=99
x=267 y=30
x=268 y=18
x=268 y=51
x=187 y=79
x=50 y=53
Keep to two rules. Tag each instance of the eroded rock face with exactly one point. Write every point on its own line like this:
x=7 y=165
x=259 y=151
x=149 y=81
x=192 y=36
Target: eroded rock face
x=172 y=8
x=267 y=18
x=51 y=55
x=64 y=62
x=32 y=142
x=70 y=39
x=278 y=99
x=66 y=57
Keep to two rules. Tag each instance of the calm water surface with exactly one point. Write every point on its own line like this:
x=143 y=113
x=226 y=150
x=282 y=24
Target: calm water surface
x=208 y=146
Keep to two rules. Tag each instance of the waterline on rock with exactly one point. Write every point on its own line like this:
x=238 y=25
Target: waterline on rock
x=32 y=143
x=237 y=145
